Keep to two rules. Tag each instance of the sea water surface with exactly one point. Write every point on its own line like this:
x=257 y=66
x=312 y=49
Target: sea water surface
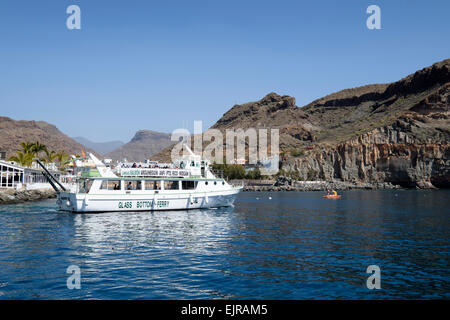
x=292 y=245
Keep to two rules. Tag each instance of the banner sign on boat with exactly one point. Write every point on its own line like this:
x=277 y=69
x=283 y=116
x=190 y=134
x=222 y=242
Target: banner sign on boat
x=153 y=172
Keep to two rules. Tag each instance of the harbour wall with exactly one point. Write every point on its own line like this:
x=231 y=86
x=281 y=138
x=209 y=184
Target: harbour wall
x=12 y=196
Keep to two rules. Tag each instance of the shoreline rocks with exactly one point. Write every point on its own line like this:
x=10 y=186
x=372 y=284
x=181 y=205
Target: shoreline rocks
x=288 y=184
x=11 y=196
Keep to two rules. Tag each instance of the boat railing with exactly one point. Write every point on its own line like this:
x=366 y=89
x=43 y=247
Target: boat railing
x=218 y=173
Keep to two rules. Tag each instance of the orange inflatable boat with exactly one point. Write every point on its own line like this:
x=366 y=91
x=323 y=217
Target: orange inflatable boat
x=332 y=196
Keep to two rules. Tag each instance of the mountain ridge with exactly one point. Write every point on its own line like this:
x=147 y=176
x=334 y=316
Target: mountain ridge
x=143 y=145
x=12 y=132
x=100 y=147
x=396 y=132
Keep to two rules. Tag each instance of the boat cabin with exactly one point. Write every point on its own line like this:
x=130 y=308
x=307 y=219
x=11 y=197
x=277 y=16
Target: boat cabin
x=131 y=185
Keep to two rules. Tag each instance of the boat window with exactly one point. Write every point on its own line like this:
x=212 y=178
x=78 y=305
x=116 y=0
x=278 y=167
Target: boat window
x=132 y=185
x=192 y=163
x=206 y=182
x=188 y=185
x=171 y=185
x=84 y=185
x=152 y=185
x=215 y=182
x=110 y=185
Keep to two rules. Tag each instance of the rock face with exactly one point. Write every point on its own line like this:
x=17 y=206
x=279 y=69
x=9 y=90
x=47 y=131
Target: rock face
x=396 y=133
x=13 y=132
x=383 y=155
x=144 y=144
x=412 y=149
x=280 y=111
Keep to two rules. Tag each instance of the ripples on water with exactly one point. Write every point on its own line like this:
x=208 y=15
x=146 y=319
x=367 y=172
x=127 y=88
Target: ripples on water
x=294 y=246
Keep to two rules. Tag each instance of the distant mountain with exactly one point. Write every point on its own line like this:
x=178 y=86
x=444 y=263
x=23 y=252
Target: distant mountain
x=13 y=132
x=100 y=147
x=144 y=144
x=397 y=132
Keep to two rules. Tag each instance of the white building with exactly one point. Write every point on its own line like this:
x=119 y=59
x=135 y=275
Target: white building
x=15 y=176
x=10 y=175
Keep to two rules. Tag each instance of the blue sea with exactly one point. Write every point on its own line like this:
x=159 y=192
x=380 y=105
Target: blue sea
x=285 y=245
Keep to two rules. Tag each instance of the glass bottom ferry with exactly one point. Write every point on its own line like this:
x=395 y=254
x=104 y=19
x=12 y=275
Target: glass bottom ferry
x=190 y=184
x=149 y=194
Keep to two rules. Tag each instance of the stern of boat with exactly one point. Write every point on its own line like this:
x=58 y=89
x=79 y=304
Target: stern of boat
x=67 y=201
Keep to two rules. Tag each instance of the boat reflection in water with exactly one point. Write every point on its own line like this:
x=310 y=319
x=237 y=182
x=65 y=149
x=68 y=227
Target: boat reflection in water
x=135 y=251
x=155 y=233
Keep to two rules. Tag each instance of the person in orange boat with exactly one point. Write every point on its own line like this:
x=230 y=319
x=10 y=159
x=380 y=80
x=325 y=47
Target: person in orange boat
x=332 y=194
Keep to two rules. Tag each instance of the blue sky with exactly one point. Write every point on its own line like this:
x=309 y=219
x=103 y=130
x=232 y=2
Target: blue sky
x=160 y=65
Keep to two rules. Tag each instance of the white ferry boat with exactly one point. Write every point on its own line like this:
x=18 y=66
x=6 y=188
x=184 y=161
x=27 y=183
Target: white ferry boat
x=188 y=184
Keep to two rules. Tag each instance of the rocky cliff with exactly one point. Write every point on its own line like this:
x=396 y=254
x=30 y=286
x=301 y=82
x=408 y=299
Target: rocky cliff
x=386 y=154
x=411 y=148
x=395 y=133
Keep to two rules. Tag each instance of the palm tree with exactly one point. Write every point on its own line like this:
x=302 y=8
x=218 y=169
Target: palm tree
x=23 y=159
x=50 y=156
x=38 y=148
x=27 y=147
x=63 y=159
x=61 y=156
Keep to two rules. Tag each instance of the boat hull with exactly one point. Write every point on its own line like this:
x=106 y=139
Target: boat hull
x=86 y=203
